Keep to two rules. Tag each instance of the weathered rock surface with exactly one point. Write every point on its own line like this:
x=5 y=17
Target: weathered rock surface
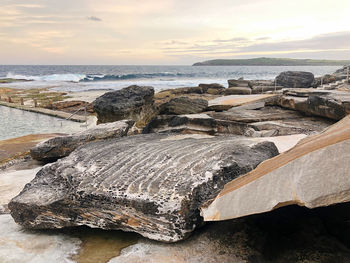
x=183 y=105
x=323 y=106
x=227 y=102
x=62 y=146
x=238 y=91
x=150 y=184
x=295 y=79
x=212 y=88
x=262 y=89
x=134 y=102
x=238 y=83
x=191 y=123
x=314 y=173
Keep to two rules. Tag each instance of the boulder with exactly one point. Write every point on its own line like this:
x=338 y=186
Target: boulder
x=133 y=102
x=314 y=173
x=295 y=79
x=59 y=147
x=150 y=184
x=183 y=105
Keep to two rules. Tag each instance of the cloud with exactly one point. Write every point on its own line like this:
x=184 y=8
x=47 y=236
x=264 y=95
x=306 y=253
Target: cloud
x=331 y=42
x=94 y=18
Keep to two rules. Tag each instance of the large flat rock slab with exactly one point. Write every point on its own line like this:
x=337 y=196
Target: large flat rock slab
x=227 y=102
x=314 y=173
x=59 y=147
x=150 y=184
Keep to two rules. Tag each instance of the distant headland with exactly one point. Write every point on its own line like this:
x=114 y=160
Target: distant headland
x=272 y=62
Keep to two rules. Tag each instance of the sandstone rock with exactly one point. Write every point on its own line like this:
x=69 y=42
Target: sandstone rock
x=324 y=106
x=134 y=102
x=72 y=106
x=238 y=83
x=213 y=88
x=183 y=105
x=262 y=89
x=238 y=91
x=191 y=123
x=150 y=184
x=227 y=102
x=295 y=79
x=314 y=173
x=62 y=146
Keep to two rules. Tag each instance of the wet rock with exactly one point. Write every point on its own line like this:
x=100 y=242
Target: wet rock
x=313 y=174
x=150 y=184
x=62 y=146
x=295 y=79
x=183 y=105
x=191 y=123
x=134 y=102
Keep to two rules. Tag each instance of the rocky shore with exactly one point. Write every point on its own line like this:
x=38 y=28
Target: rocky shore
x=162 y=164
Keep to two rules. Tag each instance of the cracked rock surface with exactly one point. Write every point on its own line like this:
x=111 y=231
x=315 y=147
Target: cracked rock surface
x=150 y=184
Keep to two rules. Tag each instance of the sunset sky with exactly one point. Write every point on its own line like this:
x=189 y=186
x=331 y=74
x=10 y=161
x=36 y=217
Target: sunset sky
x=171 y=32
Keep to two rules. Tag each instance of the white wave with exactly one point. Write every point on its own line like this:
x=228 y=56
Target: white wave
x=48 y=78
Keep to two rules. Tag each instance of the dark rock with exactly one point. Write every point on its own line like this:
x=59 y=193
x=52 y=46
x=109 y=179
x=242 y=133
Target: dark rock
x=213 y=88
x=191 y=123
x=295 y=79
x=62 y=146
x=238 y=83
x=134 y=102
x=238 y=91
x=150 y=184
x=183 y=105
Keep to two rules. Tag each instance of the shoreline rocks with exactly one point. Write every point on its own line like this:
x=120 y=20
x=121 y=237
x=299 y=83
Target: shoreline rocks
x=134 y=102
x=295 y=79
x=62 y=146
x=150 y=184
x=313 y=174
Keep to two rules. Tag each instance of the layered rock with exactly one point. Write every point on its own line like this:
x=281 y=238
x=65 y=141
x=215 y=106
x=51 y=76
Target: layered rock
x=323 y=106
x=295 y=79
x=314 y=173
x=62 y=146
x=149 y=184
x=212 y=88
x=183 y=105
x=134 y=102
x=187 y=124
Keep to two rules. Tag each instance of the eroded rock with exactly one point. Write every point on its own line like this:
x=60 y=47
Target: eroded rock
x=314 y=173
x=295 y=79
x=133 y=102
x=183 y=105
x=59 y=147
x=150 y=184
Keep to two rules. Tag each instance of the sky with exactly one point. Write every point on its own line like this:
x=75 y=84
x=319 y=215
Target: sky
x=170 y=32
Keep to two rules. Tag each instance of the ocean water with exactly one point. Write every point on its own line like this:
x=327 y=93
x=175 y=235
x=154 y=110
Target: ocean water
x=81 y=78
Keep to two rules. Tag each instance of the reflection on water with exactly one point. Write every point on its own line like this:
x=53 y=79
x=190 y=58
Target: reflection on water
x=15 y=123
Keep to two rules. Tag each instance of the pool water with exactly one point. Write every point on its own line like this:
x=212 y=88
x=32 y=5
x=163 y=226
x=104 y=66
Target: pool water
x=15 y=123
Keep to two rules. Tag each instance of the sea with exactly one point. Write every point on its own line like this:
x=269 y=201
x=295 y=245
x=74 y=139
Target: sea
x=97 y=77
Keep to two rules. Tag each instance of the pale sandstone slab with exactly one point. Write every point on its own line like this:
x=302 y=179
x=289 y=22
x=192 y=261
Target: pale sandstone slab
x=314 y=173
x=227 y=102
